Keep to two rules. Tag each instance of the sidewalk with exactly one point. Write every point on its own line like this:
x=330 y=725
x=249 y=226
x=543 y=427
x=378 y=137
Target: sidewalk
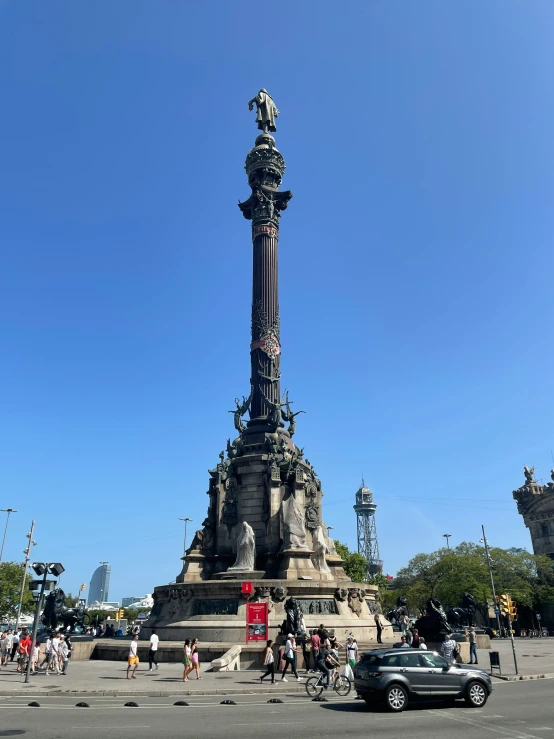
x=535 y=658
x=99 y=677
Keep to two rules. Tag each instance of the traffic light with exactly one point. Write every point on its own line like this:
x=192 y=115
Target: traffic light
x=504 y=603
x=513 y=611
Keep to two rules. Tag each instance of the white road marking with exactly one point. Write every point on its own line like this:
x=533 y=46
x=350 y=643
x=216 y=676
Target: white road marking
x=514 y=733
x=111 y=728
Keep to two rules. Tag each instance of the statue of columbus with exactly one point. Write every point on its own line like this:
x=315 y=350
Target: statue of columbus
x=266 y=111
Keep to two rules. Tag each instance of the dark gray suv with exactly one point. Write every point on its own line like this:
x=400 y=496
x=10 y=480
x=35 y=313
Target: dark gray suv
x=396 y=676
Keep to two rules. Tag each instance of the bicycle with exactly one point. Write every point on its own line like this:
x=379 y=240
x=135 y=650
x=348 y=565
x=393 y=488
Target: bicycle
x=341 y=684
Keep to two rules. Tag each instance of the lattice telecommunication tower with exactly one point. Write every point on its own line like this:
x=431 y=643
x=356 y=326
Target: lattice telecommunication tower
x=368 y=546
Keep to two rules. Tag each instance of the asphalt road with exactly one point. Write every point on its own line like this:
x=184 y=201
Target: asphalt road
x=521 y=710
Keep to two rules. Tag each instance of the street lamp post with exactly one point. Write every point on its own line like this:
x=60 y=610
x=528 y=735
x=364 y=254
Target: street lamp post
x=44 y=569
x=186 y=520
x=27 y=553
x=487 y=554
x=8 y=512
x=447 y=537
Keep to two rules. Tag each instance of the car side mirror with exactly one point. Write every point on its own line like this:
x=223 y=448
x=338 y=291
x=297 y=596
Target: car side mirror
x=446 y=668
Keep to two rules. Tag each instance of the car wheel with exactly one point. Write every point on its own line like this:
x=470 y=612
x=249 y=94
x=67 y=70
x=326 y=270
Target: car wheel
x=396 y=698
x=476 y=694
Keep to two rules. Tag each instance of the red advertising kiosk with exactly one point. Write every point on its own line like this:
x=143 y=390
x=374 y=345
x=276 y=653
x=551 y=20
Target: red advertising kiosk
x=257 y=626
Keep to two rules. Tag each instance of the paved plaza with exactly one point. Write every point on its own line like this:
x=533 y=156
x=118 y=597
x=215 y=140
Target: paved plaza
x=99 y=677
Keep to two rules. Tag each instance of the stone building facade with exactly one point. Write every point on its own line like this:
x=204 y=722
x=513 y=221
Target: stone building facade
x=535 y=502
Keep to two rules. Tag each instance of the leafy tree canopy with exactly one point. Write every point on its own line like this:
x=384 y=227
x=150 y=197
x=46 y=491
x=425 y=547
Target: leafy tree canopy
x=354 y=563
x=11 y=577
x=448 y=573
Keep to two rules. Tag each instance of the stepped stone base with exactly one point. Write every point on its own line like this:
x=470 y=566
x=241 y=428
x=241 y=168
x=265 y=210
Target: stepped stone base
x=215 y=610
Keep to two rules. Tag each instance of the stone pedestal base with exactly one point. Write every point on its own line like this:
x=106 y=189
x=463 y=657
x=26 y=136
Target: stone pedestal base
x=193 y=566
x=214 y=611
x=243 y=576
x=296 y=564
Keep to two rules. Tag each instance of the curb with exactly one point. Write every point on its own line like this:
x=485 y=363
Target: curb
x=517 y=678
x=147 y=693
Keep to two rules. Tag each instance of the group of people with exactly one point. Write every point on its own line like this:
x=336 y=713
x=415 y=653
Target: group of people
x=323 y=648
x=413 y=640
x=18 y=643
x=449 y=647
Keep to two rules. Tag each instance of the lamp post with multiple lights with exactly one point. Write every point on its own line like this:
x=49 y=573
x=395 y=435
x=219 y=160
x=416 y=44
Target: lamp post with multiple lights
x=447 y=537
x=41 y=569
x=27 y=553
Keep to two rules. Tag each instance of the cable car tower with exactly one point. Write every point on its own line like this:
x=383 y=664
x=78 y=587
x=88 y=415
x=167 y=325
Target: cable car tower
x=368 y=546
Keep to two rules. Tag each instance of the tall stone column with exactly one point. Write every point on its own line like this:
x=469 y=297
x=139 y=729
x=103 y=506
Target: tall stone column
x=265 y=167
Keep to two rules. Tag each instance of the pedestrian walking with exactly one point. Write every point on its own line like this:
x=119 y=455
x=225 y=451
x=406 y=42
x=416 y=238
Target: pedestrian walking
x=7 y=646
x=187 y=660
x=314 y=641
x=352 y=651
x=269 y=662
x=404 y=621
x=290 y=648
x=15 y=645
x=69 y=647
x=47 y=652
x=54 y=662
x=422 y=644
x=404 y=642
x=153 y=650
x=23 y=651
x=35 y=651
x=379 y=627
x=63 y=652
x=448 y=648
x=132 y=659
x=195 y=659
x=472 y=636
x=415 y=639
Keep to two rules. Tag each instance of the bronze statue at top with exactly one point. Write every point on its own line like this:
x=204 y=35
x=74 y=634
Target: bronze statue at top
x=266 y=111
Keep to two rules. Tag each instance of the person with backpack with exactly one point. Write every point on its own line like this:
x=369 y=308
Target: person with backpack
x=448 y=649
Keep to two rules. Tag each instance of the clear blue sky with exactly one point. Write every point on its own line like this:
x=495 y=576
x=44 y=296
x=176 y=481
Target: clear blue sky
x=416 y=264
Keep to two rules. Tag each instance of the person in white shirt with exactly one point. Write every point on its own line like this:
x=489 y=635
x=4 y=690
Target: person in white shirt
x=64 y=654
x=404 y=643
x=153 y=651
x=133 y=660
x=54 y=655
x=269 y=662
x=290 y=649
x=422 y=644
x=7 y=646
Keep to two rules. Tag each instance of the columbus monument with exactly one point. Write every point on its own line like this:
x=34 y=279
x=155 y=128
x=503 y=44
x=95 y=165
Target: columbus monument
x=264 y=521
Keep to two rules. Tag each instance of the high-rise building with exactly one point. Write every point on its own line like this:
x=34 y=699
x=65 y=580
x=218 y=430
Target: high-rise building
x=99 y=584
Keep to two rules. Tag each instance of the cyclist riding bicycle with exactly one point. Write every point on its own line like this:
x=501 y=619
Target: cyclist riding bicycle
x=326 y=660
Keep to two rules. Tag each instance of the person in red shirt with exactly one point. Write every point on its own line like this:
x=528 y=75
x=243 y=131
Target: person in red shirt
x=314 y=641
x=24 y=651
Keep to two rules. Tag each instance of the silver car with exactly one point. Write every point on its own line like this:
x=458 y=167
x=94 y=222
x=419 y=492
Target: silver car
x=396 y=676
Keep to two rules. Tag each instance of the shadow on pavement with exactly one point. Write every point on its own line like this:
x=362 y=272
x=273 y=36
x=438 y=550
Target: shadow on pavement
x=363 y=707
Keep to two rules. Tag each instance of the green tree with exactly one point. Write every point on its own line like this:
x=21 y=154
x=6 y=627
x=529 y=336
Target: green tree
x=130 y=614
x=71 y=601
x=449 y=573
x=354 y=563
x=11 y=577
